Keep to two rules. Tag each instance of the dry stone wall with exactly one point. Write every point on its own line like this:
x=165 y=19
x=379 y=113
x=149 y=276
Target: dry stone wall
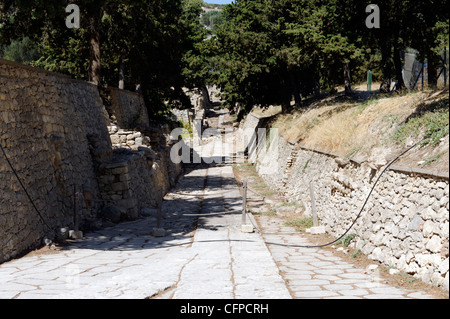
x=127 y=109
x=405 y=224
x=73 y=155
x=47 y=122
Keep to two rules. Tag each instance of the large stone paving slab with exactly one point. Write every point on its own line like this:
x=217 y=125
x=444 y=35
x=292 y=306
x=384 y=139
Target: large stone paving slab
x=314 y=273
x=203 y=255
x=200 y=258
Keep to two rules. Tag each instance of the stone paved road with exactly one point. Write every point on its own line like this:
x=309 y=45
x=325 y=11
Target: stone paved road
x=204 y=255
x=215 y=260
x=318 y=273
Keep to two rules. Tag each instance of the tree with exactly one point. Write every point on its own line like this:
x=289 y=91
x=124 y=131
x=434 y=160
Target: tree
x=272 y=51
x=137 y=42
x=195 y=61
x=22 y=51
x=343 y=27
x=428 y=33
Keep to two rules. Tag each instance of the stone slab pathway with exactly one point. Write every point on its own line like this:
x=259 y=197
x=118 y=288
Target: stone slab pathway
x=204 y=255
x=200 y=258
x=318 y=273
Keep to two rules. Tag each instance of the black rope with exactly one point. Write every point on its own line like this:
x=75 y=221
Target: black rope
x=24 y=189
x=370 y=193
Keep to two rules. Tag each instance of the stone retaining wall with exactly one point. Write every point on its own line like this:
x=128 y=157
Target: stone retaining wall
x=127 y=108
x=48 y=124
x=405 y=224
x=73 y=156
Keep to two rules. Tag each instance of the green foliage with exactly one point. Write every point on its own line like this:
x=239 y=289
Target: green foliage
x=356 y=253
x=347 y=240
x=148 y=40
x=22 y=51
x=212 y=19
x=213 y=5
x=269 y=52
x=272 y=51
x=432 y=159
x=433 y=123
x=195 y=62
x=300 y=224
x=259 y=52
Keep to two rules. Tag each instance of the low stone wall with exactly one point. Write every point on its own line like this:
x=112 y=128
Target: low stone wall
x=132 y=182
x=185 y=116
x=127 y=109
x=132 y=140
x=405 y=223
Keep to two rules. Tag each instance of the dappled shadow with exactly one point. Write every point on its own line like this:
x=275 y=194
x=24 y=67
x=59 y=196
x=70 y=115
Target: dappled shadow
x=186 y=208
x=435 y=103
x=358 y=96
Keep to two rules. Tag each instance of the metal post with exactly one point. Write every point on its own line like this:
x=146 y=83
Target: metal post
x=158 y=231
x=75 y=233
x=244 y=227
x=423 y=71
x=158 y=218
x=313 y=205
x=75 y=215
x=445 y=67
x=244 y=203
x=369 y=81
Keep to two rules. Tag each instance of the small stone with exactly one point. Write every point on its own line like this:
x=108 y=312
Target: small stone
x=64 y=233
x=394 y=271
x=434 y=244
x=415 y=223
x=372 y=267
x=158 y=232
x=47 y=242
x=75 y=234
x=317 y=230
x=247 y=228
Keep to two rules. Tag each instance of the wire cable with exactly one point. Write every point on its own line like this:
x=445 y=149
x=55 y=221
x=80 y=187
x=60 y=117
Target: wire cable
x=24 y=189
x=370 y=193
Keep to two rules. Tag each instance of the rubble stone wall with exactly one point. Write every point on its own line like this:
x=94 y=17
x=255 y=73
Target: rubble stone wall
x=47 y=123
x=405 y=223
x=74 y=155
x=127 y=108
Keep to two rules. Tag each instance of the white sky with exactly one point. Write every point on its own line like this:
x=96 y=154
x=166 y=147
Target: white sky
x=219 y=1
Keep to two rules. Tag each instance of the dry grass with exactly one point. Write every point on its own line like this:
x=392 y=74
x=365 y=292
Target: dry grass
x=347 y=127
x=266 y=112
x=362 y=127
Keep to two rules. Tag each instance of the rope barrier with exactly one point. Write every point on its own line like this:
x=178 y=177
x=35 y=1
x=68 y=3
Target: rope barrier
x=370 y=193
x=24 y=189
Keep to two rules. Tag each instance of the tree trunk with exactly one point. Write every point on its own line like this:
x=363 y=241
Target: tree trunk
x=285 y=96
x=347 y=79
x=121 y=74
x=316 y=88
x=398 y=65
x=386 y=63
x=206 y=97
x=94 y=43
x=296 y=91
x=286 y=107
x=385 y=86
x=432 y=71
